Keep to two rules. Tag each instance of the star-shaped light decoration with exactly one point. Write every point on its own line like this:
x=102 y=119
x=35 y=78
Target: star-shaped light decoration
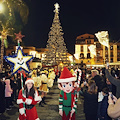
x=19 y=36
x=19 y=61
x=56 y=7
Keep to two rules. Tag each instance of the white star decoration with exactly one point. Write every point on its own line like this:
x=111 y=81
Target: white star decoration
x=56 y=7
x=20 y=61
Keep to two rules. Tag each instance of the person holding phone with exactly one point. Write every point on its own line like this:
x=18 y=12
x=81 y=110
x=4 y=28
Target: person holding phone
x=113 y=107
x=114 y=81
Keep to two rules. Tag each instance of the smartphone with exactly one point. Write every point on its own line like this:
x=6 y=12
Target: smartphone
x=112 y=96
x=115 y=75
x=84 y=82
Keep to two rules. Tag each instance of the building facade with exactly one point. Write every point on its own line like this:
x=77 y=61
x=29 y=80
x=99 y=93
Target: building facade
x=83 y=53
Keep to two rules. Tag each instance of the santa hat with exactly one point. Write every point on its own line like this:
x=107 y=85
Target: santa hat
x=29 y=80
x=66 y=76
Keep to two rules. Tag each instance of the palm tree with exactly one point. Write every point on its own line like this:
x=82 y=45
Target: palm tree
x=13 y=18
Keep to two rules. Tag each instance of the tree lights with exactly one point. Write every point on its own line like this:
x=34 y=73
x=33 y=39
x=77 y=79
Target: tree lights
x=56 y=46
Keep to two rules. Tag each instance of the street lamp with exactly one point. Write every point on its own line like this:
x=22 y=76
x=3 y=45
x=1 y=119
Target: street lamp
x=1 y=8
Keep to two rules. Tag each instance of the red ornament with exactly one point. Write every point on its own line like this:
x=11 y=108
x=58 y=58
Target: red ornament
x=19 y=36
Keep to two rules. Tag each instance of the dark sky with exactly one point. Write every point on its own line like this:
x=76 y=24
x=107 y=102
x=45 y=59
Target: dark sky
x=76 y=17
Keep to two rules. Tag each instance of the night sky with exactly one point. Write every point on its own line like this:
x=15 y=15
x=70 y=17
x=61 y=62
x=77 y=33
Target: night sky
x=77 y=17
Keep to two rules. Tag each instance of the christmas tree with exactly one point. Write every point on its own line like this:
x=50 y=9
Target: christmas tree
x=56 y=46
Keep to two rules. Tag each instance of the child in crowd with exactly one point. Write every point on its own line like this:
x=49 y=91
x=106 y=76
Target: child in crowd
x=8 y=92
x=104 y=105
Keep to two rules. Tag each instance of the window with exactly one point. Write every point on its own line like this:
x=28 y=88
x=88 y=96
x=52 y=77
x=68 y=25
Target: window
x=111 y=60
x=88 y=55
x=88 y=41
x=111 y=47
x=118 y=59
x=81 y=48
x=111 y=54
x=118 y=47
x=118 y=53
x=81 y=55
x=98 y=45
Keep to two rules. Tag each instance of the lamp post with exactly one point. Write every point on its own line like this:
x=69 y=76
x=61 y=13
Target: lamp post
x=1 y=8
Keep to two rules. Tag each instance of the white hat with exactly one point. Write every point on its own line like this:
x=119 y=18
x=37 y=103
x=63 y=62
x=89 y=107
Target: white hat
x=29 y=80
x=66 y=76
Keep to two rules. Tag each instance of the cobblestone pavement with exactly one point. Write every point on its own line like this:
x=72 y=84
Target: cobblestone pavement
x=49 y=111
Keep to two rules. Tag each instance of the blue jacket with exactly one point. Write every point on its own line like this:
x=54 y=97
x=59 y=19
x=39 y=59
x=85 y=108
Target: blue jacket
x=103 y=109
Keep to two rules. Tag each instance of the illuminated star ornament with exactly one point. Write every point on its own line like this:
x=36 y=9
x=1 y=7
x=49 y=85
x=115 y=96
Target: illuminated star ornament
x=19 y=61
x=19 y=36
x=56 y=7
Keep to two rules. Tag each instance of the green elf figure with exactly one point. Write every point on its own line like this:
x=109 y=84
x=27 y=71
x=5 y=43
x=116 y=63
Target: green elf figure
x=67 y=99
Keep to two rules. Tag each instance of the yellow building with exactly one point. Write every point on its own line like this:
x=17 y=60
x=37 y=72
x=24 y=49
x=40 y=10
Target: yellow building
x=83 y=54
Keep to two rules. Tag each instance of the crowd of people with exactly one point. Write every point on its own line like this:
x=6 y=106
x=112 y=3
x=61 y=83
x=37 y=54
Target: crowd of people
x=12 y=87
x=100 y=89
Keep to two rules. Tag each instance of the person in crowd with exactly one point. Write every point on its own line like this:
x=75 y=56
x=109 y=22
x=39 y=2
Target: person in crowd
x=2 y=94
x=113 y=107
x=98 y=80
x=104 y=105
x=83 y=75
x=8 y=92
x=117 y=73
x=109 y=85
x=100 y=83
x=114 y=81
x=38 y=71
x=43 y=88
x=13 y=87
x=35 y=78
x=34 y=74
x=113 y=73
x=30 y=98
x=90 y=99
x=56 y=73
x=18 y=80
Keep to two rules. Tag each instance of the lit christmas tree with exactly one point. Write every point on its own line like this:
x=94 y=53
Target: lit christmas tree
x=56 y=46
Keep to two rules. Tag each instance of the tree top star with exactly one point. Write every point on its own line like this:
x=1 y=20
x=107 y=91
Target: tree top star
x=56 y=7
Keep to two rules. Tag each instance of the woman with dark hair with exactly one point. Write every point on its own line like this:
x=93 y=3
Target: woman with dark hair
x=27 y=100
x=90 y=100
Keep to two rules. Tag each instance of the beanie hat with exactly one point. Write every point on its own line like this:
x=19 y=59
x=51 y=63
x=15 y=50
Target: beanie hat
x=66 y=76
x=29 y=80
